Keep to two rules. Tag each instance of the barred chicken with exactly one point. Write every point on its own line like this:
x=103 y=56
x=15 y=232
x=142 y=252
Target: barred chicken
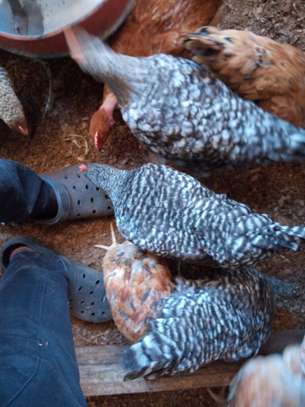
x=11 y=110
x=26 y=92
x=179 y=111
x=224 y=316
x=154 y=26
x=179 y=325
x=257 y=68
x=171 y=214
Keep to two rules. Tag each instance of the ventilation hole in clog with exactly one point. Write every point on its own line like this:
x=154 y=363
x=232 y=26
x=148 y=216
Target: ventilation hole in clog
x=80 y=288
x=82 y=312
x=94 y=211
x=84 y=275
x=87 y=186
x=78 y=202
x=91 y=200
x=103 y=312
x=91 y=292
x=106 y=196
x=92 y=303
x=92 y=314
x=82 y=302
x=65 y=177
x=78 y=175
x=109 y=208
x=74 y=187
x=97 y=188
x=97 y=282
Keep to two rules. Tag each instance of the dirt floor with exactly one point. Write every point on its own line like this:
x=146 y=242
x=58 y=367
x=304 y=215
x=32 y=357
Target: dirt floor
x=61 y=139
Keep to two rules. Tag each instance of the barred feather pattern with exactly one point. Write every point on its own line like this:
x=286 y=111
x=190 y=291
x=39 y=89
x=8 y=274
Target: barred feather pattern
x=171 y=214
x=227 y=318
x=186 y=114
x=179 y=110
x=11 y=110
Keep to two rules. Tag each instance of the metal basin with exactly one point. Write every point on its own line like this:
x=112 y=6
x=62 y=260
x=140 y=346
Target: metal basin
x=35 y=27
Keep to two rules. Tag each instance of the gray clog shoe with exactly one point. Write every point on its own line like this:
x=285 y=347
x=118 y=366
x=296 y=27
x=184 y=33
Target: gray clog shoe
x=86 y=286
x=77 y=197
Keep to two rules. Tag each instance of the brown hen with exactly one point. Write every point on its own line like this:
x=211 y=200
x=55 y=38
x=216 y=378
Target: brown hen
x=275 y=380
x=135 y=282
x=257 y=68
x=154 y=26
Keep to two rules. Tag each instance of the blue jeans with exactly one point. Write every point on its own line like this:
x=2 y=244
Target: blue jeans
x=23 y=194
x=38 y=367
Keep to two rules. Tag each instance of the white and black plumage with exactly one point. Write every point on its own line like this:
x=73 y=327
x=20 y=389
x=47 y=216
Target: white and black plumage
x=11 y=109
x=226 y=316
x=169 y=213
x=181 y=112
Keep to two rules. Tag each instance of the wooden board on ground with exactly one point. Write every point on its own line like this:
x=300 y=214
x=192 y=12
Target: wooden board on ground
x=102 y=374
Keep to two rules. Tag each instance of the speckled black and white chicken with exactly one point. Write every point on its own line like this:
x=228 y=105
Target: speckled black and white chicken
x=172 y=214
x=11 y=110
x=26 y=92
x=179 y=324
x=180 y=111
x=225 y=316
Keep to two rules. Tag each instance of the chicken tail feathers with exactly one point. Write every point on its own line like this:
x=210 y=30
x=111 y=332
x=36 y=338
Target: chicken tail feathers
x=143 y=359
x=287 y=237
x=294 y=231
x=296 y=145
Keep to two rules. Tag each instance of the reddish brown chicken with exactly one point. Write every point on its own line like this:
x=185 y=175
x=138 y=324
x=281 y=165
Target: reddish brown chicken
x=258 y=68
x=154 y=26
x=135 y=282
x=275 y=380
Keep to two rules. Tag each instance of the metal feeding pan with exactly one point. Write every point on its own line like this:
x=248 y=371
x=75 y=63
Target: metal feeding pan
x=35 y=27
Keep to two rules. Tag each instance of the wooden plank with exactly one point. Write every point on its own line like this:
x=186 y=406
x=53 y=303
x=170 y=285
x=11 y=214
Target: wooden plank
x=102 y=374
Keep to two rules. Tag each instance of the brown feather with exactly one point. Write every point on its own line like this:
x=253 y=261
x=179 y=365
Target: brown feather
x=272 y=380
x=257 y=68
x=135 y=282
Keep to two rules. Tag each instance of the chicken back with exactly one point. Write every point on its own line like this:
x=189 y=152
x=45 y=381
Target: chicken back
x=135 y=282
x=153 y=26
x=257 y=68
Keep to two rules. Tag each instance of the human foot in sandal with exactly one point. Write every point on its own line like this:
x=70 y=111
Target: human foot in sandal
x=64 y=195
x=86 y=286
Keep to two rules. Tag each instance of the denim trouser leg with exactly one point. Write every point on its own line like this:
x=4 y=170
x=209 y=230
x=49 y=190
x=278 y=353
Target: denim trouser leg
x=23 y=194
x=37 y=358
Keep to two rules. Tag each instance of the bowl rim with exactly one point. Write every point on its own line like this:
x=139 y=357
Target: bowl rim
x=54 y=33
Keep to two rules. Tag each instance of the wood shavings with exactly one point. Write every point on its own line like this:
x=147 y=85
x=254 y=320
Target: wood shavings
x=79 y=146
